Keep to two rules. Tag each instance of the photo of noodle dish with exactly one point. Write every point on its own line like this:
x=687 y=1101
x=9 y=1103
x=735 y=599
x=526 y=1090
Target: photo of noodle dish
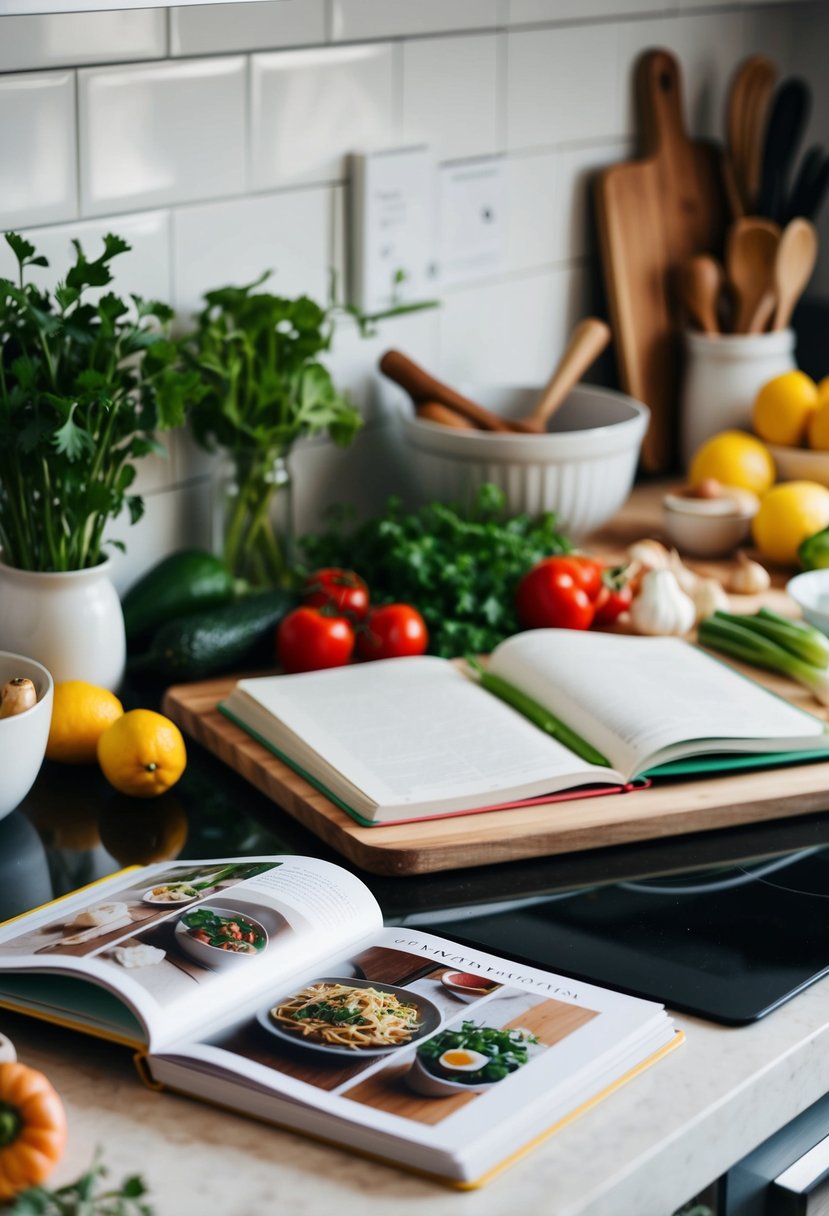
x=351 y=1017
x=217 y=936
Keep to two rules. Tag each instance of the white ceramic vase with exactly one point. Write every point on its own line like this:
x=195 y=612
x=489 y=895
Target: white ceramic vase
x=71 y=622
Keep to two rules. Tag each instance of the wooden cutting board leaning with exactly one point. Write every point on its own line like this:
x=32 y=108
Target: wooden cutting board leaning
x=653 y=214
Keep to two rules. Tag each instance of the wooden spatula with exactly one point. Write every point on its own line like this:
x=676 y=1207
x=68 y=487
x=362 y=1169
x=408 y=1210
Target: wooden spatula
x=588 y=340
x=750 y=252
x=793 y=266
x=701 y=282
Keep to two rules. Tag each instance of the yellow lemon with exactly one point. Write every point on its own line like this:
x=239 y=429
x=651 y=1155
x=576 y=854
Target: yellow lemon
x=81 y=712
x=823 y=389
x=783 y=407
x=733 y=458
x=142 y=753
x=818 y=433
x=788 y=513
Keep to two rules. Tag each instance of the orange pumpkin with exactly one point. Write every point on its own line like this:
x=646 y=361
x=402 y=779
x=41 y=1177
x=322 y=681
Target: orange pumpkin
x=32 y=1128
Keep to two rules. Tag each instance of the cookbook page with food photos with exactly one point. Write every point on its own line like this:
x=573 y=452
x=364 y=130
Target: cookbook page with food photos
x=437 y=1056
x=155 y=951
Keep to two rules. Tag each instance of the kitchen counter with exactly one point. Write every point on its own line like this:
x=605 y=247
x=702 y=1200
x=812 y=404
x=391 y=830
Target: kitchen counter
x=643 y=1151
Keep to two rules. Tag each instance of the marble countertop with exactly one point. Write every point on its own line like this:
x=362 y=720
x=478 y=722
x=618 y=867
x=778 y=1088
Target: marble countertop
x=643 y=1151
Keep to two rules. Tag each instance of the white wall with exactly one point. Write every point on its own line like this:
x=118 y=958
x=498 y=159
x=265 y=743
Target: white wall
x=214 y=139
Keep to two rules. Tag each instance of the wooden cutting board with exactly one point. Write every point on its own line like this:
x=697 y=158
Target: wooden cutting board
x=653 y=214
x=671 y=809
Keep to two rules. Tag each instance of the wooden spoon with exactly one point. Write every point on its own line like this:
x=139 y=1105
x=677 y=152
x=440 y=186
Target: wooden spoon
x=588 y=340
x=422 y=387
x=743 y=109
x=701 y=283
x=750 y=253
x=793 y=266
x=757 y=103
x=434 y=411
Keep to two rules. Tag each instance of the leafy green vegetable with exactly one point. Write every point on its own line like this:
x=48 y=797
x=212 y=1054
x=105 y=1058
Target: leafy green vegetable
x=85 y=1198
x=459 y=569
x=335 y=1015
x=83 y=388
x=506 y=1049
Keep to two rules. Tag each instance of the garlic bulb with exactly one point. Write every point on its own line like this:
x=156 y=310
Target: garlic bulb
x=662 y=608
x=649 y=554
x=686 y=578
x=750 y=578
x=709 y=595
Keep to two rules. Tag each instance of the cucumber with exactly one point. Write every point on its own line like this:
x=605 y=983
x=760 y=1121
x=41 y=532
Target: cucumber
x=216 y=640
x=183 y=582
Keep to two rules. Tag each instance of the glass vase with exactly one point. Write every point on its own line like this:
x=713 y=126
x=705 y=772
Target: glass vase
x=253 y=522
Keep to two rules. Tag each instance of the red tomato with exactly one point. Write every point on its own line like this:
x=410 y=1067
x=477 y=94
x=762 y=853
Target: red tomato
x=552 y=595
x=340 y=589
x=308 y=640
x=615 y=597
x=587 y=571
x=392 y=631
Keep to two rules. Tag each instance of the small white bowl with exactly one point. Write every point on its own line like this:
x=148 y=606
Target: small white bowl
x=582 y=468
x=422 y=1081
x=810 y=591
x=800 y=464
x=23 y=737
x=702 y=532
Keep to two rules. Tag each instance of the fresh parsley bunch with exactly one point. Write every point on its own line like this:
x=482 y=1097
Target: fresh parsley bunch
x=459 y=569
x=84 y=386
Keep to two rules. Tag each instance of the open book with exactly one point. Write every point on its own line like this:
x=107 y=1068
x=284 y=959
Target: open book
x=405 y=739
x=270 y=986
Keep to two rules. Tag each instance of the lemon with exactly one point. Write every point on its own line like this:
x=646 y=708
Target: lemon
x=788 y=513
x=733 y=458
x=142 y=753
x=81 y=712
x=818 y=433
x=783 y=407
x=823 y=388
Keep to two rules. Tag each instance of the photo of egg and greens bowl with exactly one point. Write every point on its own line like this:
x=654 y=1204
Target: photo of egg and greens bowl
x=474 y=1055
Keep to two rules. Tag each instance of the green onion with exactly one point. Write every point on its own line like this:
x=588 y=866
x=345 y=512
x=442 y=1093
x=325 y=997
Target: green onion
x=772 y=642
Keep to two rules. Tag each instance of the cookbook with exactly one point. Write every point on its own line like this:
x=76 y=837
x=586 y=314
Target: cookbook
x=270 y=986
x=413 y=738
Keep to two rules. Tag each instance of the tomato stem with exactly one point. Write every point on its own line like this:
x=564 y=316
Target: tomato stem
x=10 y=1124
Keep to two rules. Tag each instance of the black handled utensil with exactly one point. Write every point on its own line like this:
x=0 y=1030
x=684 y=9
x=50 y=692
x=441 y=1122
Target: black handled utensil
x=816 y=192
x=787 y=120
x=809 y=169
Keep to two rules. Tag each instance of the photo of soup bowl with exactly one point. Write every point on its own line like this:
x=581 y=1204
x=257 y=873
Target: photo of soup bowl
x=217 y=936
x=467 y=986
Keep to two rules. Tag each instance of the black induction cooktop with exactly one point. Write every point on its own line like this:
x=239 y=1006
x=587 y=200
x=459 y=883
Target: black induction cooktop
x=729 y=943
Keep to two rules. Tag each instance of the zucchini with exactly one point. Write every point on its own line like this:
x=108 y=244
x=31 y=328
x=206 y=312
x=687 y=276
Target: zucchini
x=183 y=582
x=216 y=640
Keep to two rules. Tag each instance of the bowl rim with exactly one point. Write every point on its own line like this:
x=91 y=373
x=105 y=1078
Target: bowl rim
x=46 y=677
x=613 y=433
x=808 y=578
x=221 y=910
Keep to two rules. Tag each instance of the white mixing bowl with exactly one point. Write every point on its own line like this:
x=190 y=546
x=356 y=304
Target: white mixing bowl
x=582 y=468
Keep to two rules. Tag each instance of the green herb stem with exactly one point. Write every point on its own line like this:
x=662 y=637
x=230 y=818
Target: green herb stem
x=538 y=715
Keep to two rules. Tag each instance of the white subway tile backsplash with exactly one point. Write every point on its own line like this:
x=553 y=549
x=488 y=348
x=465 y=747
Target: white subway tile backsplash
x=509 y=332
x=143 y=270
x=450 y=95
x=561 y=85
x=38 y=177
x=153 y=134
x=221 y=29
x=352 y=19
x=233 y=242
x=708 y=49
x=54 y=40
x=577 y=170
x=537 y=12
x=309 y=109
